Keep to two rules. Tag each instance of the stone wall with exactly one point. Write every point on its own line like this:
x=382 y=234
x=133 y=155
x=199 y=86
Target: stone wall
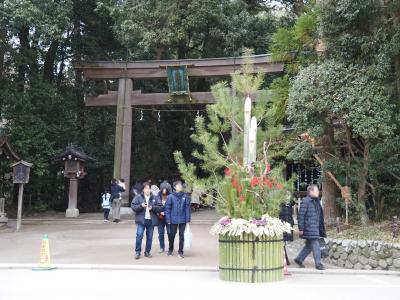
x=365 y=255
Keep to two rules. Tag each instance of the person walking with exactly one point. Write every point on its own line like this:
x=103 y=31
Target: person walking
x=177 y=214
x=117 y=188
x=163 y=195
x=106 y=203
x=311 y=227
x=146 y=208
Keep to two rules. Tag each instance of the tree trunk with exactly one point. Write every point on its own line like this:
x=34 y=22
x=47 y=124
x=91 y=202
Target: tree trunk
x=78 y=84
x=48 y=67
x=23 y=36
x=3 y=47
x=362 y=186
x=329 y=188
x=60 y=75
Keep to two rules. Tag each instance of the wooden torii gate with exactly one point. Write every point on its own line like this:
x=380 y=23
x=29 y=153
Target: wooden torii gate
x=126 y=97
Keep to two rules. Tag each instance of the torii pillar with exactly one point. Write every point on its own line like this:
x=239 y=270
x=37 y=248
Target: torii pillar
x=123 y=135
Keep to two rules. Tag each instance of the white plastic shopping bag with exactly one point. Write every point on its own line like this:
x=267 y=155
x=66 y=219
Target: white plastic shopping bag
x=187 y=245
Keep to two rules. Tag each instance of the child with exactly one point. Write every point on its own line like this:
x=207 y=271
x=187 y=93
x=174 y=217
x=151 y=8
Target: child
x=106 y=204
x=121 y=183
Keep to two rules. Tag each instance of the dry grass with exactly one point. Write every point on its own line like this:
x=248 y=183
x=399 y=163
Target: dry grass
x=377 y=232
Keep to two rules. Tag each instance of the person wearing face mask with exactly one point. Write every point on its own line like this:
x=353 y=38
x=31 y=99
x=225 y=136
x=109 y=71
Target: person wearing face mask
x=163 y=195
x=311 y=227
x=177 y=215
x=146 y=208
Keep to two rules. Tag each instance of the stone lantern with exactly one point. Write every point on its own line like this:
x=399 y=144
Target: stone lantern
x=74 y=161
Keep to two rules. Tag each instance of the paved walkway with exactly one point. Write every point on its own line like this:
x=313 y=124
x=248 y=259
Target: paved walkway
x=149 y=285
x=87 y=240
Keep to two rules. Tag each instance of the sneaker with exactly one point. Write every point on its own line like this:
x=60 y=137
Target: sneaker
x=320 y=267
x=180 y=255
x=299 y=263
x=105 y=221
x=147 y=254
x=169 y=253
x=161 y=250
x=137 y=255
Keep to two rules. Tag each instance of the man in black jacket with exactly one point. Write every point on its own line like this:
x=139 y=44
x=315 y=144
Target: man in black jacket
x=146 y=208
x=311 y=227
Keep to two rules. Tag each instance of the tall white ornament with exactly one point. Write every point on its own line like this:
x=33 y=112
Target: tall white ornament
x=247 y=117
x=252 y=141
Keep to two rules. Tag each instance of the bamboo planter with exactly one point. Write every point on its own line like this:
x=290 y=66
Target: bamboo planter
x=248 y=258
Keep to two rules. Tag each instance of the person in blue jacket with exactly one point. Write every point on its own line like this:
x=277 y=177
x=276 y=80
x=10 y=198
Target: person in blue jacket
x=177 y=214
x=311 y=227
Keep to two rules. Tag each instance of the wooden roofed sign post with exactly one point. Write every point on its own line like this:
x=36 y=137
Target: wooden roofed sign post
x=21 y=171
x=177 y=72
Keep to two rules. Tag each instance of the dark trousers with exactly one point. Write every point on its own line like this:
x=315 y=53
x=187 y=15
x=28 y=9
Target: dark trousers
x=312 y=245
x=161 y=234
x=173 y=228
x=148 y=226
x=106 y=213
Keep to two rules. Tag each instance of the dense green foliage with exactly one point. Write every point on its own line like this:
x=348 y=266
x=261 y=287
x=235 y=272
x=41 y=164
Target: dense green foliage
x=42 y=97
x=341 y=85
x=344 y=92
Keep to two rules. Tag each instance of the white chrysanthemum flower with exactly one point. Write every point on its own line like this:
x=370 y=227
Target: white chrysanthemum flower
x=267 y=226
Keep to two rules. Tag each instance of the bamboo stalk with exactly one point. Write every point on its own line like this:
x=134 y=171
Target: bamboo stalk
x=237 y=259
x=259 y=263
x=273 y=265
x=270 y=259
x=233 y=258
x=229 y=261
x=241 y=259
x=264 y=259
x=221 y=258
x=273 y=252
x=246 y=255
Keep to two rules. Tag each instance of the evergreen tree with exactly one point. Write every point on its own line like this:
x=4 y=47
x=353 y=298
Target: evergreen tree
x=238 y=190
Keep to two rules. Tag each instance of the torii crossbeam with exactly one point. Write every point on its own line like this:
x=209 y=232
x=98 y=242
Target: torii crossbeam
x=125 y=97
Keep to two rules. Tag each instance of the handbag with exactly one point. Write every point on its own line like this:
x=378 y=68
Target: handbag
x=323 y=248
x=187 y=244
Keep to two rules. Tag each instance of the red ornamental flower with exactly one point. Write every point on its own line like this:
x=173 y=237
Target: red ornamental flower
x=268 y=183
x=227 y=172
x=255 y=181
x=235 y=184
x=267 y=168
x=277 y=184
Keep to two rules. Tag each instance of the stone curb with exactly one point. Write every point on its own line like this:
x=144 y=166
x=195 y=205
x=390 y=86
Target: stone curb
x=187 y=269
